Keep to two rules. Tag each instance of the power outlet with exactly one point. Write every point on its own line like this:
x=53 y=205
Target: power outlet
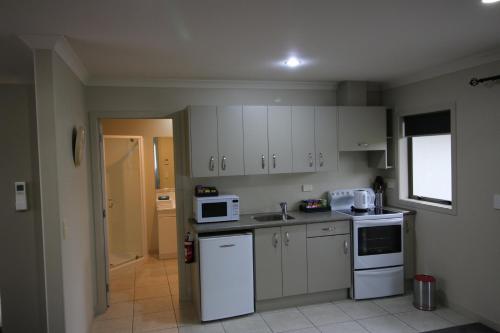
x=496 y=201
x=307 y=188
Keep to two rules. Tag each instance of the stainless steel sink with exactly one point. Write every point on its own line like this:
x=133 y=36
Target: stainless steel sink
x=271 y=217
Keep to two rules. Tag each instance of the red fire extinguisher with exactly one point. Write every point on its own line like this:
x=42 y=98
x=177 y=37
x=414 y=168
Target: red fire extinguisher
x=188 y=248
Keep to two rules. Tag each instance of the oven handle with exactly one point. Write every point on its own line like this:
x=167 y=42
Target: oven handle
x=375 y=223
x=383 y=271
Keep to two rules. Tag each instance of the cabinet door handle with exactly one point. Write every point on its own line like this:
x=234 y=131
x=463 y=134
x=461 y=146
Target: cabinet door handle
x=311 y=160
x=328 y=229
x=321 y=160
x=363 y=144
x=274 y=161
x=227 y=245
x=223 y=163
x=275 y=240
x=346 y=247
x=287 y=238
x=263 y=161
x=211 y=165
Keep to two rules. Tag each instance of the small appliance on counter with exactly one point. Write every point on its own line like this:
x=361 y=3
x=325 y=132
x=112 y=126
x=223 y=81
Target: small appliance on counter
x=377 y=244
x=314 y=205
x=362 y=200
x=205 y=191
x=221 y=208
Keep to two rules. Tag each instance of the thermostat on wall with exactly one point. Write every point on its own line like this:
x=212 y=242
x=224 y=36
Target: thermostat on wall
x=21 y=200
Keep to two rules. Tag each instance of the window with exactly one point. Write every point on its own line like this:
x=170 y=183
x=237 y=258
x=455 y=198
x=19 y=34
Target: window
x=429 y=143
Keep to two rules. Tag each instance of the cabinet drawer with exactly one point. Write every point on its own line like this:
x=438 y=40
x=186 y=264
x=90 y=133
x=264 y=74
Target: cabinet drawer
x=328 y=228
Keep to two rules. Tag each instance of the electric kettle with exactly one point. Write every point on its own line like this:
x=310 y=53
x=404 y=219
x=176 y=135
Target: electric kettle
x=361 y=199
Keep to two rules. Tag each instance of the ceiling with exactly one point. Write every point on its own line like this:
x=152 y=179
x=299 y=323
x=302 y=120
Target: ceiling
x=383 y=40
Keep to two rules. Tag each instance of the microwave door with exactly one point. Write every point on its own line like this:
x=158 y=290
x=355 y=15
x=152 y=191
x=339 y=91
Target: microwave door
x=214 y=210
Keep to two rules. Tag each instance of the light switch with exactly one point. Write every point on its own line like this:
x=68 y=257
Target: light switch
x=307 y=188
x=391 y=183
x=21 y=200
x=496 y=201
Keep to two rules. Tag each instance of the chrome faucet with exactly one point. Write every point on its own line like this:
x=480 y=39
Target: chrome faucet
x=284 y=210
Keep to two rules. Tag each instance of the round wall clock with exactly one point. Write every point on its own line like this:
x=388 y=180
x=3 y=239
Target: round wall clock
x=78 y=144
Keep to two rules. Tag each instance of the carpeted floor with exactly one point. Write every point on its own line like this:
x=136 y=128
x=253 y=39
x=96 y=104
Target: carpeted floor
x=471 y=328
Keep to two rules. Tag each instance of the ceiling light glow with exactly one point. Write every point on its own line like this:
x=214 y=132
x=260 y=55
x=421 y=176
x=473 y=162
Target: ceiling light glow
x=489 y=1
x=292 y=62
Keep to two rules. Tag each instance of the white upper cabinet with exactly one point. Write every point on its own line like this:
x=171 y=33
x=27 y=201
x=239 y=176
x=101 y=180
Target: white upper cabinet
x=230 y=140
x=279 y=129
x=203 y=141
x=362 y=128
x=255 y=146
x=303 y=151
x=327 y=155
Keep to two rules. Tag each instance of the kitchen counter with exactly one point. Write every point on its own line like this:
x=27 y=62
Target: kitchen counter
x=247 y=222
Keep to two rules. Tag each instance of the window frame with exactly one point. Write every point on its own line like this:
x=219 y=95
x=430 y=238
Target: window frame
x=410 y=179
x=402 y=181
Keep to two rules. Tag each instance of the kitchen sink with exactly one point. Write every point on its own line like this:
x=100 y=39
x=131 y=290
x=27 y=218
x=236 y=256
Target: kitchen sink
x=271 y=217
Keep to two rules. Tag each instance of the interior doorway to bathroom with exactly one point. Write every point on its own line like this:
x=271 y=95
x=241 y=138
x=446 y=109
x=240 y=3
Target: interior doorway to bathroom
x=124 y=188
x=139 y=188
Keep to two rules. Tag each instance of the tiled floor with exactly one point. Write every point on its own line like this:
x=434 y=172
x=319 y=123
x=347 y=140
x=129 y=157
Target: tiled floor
x=145 y=299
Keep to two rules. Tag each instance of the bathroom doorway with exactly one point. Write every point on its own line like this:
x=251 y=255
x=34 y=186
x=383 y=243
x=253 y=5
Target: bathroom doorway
x=124 y=188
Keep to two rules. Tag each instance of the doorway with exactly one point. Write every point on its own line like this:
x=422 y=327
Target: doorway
x=124 y=188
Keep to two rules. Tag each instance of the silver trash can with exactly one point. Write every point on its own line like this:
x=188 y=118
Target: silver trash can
x=424 y=290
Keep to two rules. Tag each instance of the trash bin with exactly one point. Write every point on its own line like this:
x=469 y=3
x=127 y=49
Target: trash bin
x=424 y=289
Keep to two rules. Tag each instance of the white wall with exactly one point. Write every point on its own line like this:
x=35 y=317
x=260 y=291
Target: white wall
x=22 y=289
x=65 y=196
x=74 y=200
x=462 y=251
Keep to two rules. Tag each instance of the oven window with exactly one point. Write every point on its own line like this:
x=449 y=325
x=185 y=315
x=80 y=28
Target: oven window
x=216 y=209
x=379 y=240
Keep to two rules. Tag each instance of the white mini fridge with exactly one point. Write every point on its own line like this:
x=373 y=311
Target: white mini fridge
x=226 y=276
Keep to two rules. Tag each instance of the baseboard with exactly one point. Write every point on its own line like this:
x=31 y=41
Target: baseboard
x=299 y=300
x=165 y=256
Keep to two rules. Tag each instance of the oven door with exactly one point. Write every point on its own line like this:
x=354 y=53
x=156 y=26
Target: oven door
x=378 y=243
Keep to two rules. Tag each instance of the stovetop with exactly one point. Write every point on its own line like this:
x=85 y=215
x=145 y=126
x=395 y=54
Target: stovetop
x=369 y=212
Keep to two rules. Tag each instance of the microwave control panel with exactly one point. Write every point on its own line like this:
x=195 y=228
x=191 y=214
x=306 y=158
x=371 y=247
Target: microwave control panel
x=236 y=207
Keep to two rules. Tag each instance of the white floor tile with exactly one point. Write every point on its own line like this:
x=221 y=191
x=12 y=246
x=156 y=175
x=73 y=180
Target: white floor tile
x=249 y=324
x=423 y=320
x=347 y=327
x=361 y=309
x=385 y=324
x=151 y=305
x=121 y=296
x=396 y=304
x=118 y=310
x=154 y=321
x=207 y=328
x=286 y=320
x=305 y=330
x=151 y=292
x=120 y=325
x=453 y=316
x=323 y=314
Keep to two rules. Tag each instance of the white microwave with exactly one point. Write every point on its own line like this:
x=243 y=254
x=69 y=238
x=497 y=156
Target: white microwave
x=221 y=208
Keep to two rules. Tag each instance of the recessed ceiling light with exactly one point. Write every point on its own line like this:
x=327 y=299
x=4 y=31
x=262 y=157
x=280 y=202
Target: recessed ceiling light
x=489 y=1
x=292 y=62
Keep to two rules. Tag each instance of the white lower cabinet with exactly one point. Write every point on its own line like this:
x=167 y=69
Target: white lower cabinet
x=294 y=260
x=328 y=263
x=288 y=263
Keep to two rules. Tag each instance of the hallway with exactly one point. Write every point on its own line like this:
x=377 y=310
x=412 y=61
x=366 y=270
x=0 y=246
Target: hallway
x=145 y=297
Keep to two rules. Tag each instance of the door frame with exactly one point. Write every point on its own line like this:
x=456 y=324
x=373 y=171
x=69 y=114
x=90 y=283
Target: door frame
x=140 y=140
x=181 y=150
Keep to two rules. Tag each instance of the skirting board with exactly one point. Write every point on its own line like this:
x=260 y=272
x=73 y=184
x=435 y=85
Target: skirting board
x=285 y=302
